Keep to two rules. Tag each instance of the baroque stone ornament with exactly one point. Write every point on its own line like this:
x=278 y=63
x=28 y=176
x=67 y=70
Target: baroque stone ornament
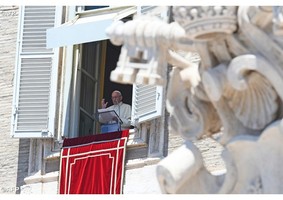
x=227 y=77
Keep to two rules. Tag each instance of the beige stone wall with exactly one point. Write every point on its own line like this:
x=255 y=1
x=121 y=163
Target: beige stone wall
x=210 y=149
x=12 y=169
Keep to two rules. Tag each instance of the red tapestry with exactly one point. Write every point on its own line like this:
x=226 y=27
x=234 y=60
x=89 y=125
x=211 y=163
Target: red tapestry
x=93 y=164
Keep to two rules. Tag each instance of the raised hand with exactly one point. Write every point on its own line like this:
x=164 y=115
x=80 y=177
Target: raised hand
x=103 y=103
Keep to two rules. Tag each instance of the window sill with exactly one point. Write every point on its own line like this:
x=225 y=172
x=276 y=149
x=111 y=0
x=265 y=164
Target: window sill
x=134 y=141
x=37 y=178
x=139 y=163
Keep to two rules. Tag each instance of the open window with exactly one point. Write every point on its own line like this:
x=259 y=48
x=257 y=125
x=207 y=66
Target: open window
x=86 y=77
x=91 y=83
x=89 y=59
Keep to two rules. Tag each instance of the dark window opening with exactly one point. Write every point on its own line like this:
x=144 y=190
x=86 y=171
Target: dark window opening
x=112 y=57
x=94 y=7
x=91 y=78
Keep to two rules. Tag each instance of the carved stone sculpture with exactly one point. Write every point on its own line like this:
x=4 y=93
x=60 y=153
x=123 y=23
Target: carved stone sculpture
x=227 y=76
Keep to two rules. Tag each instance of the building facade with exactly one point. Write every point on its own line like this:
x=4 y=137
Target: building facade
x=39 y=107
x=55 y=65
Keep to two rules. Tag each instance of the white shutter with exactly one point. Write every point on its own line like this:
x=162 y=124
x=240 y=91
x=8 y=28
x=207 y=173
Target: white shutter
x=147 y=103
x=35 y=79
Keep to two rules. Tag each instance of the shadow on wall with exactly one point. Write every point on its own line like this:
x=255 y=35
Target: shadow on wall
x=23 y=163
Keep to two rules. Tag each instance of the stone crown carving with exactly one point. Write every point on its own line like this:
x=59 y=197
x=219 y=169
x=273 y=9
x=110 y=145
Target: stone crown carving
x=201 y=22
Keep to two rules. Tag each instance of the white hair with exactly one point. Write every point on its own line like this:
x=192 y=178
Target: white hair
x=117 y=91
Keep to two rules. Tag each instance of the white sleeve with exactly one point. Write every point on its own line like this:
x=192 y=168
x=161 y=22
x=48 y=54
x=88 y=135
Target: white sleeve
x=126 y=115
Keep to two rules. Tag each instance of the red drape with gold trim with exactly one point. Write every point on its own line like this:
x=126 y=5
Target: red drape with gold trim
x=93 y=164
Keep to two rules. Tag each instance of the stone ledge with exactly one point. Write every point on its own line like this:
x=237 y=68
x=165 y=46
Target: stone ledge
x=53 y=156
x=138 y=163
x=37 y=178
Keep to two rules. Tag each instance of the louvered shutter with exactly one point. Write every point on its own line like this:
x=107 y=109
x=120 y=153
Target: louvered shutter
x=148 y=99
x=35 y=79
x=147 y=103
